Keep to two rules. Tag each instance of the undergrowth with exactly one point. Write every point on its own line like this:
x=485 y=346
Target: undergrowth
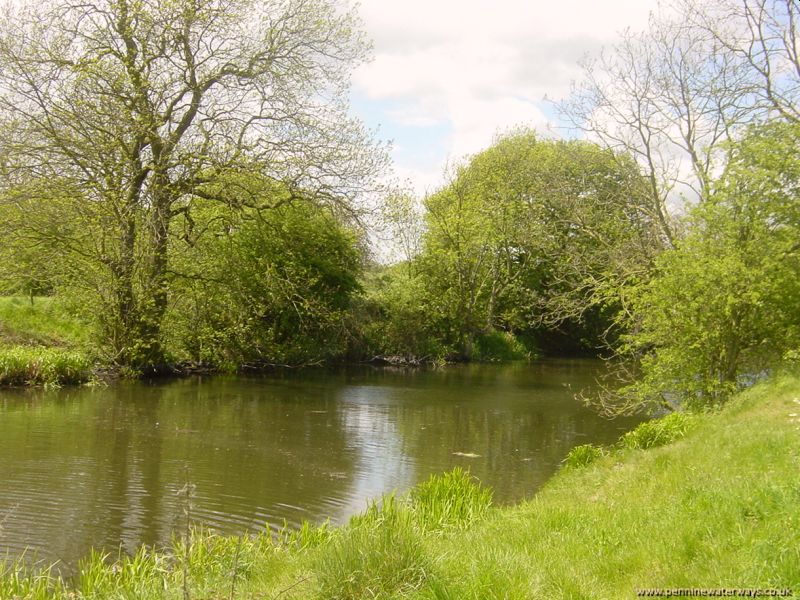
x=30 y=365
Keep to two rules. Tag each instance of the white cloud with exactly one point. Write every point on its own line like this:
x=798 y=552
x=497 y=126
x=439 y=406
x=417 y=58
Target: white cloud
x=477 y=67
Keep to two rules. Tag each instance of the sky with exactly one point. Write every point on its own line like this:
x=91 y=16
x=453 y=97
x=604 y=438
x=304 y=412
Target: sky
x=448 y=75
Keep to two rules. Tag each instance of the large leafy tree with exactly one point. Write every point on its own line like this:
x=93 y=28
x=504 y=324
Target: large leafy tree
x=138 y=108
x=263 y=287
x=691 y=98
x=724 y=305
x=533 y=233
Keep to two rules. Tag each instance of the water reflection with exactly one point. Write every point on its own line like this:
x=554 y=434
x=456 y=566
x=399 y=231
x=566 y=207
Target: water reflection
x=102 y=467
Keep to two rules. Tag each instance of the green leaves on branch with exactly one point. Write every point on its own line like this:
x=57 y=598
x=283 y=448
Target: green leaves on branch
x=528 y=237
x=724 y=305
x=263 y=287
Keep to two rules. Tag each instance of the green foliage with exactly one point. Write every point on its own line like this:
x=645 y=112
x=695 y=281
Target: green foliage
x=249 y=97
x=528 y=235
x=395 y=317
x=451 y=500
x=38 y=226
x=583 y=455
x=263 y=287
x=658 y=432
x=792 y=357
x=30 y=365
x=502 y=346
x=724 y=304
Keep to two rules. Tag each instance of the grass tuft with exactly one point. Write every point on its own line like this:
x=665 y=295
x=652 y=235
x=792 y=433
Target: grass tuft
x=451 y=500
x=378 y=555
x=581 y=456
x=658 y=432
x=17 y=580
x=307 y=536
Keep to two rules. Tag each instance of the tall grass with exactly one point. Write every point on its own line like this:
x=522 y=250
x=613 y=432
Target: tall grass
x=649 y=434
x=659 y=432
x=24 y=365
x=379 y=555
x=451 y=500
x=18 y=581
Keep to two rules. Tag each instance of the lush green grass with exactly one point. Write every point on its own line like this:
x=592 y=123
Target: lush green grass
x=41 y=343
x=713 y=502
x=30 y=365
x=48 y=321
x=719 y=508
x=451 y=500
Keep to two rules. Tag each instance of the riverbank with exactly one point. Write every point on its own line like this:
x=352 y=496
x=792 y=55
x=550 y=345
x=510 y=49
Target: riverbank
x=41 y=343
x=718 y=508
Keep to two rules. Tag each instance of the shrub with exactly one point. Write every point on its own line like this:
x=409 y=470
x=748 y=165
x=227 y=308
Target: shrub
x=500 y=346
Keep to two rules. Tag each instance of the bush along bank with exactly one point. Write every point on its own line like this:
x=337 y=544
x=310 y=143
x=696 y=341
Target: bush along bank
x=701 y=501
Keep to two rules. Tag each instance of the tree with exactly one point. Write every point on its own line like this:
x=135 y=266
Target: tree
x=263 y=287
x=671 y=97
x=139 y=109
x=403 y=224
x=761 y=39
x=46 y=238
x=532 y=233
x=724 y=304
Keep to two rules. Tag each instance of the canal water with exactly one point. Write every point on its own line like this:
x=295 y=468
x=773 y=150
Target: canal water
x=104 y=467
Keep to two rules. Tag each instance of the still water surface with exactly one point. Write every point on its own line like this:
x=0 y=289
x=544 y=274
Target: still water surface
x=102 y=467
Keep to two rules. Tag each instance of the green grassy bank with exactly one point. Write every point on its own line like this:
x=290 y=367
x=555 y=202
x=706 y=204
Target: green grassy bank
x=41 y=343
x=714 y=502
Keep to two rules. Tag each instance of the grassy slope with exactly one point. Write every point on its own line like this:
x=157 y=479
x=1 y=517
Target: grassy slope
x=720 y=508
x=41 y=343
x=46 y=322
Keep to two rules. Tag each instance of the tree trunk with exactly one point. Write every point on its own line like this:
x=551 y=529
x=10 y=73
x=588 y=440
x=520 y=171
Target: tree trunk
x=156 y=295
x=140 y=292
x=125 y=315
